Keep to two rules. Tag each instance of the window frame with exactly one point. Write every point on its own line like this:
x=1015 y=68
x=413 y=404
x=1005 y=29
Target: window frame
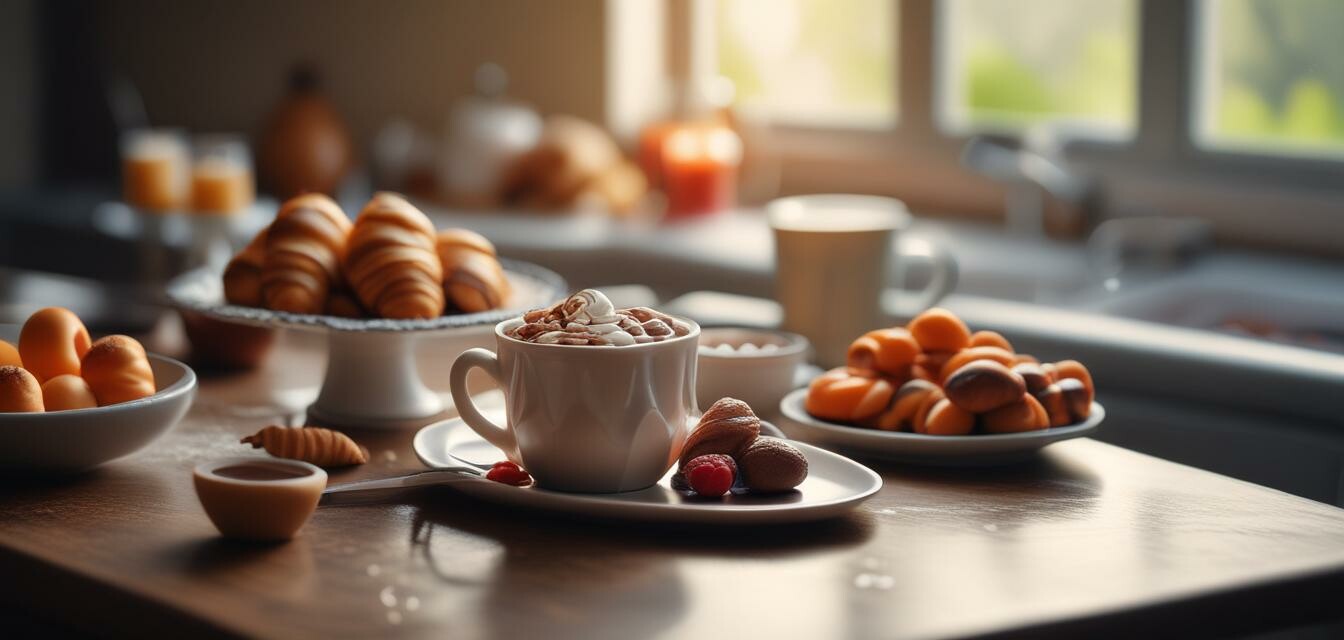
x=1163 y=168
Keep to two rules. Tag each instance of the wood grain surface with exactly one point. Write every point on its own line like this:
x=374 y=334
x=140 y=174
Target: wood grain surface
x=1087 y=539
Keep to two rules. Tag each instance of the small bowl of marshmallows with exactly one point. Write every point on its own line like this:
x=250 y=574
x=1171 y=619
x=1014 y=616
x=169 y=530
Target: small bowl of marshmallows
x=756 y=366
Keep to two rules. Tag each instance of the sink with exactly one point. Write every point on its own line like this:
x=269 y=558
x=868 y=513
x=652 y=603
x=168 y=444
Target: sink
x=1286 y=317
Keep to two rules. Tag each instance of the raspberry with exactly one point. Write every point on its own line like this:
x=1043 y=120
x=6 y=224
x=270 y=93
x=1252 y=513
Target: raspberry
x=508 y=473
x=710 y=475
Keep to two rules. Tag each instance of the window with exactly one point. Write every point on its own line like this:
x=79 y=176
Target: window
x=811 y=62
x=1272 y=76
x=1007 y=64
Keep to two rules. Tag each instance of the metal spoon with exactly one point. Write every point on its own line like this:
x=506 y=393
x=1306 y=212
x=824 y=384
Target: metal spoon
x=368 y=491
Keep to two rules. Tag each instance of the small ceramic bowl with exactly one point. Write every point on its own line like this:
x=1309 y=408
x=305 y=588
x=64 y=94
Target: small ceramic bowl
x=60 y=442
x=756 y=366
x=255 y=498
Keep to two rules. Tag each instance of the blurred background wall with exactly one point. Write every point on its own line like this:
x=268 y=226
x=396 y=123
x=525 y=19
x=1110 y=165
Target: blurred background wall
x=195 y=71
x=18 y=85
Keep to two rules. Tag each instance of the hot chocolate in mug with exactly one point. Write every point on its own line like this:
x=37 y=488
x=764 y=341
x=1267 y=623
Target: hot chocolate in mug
x=592 y=419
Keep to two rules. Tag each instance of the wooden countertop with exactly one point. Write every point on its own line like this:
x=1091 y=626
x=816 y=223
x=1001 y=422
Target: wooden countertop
x=1088 y=539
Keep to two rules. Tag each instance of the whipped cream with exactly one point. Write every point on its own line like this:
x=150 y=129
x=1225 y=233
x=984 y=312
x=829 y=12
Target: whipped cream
x=589 y=318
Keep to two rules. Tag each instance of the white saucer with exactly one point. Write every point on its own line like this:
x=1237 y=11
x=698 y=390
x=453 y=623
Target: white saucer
x=835 y=485
x=919 y=448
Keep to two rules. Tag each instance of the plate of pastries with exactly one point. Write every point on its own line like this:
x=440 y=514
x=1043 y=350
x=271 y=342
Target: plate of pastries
x=935 y=392
x=69 y=402
x=389 y=269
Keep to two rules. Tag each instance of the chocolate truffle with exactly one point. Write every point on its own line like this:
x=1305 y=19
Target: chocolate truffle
x=771 y=465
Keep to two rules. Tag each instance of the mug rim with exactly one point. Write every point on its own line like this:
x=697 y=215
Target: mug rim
x=695 y=333
x=900 y=217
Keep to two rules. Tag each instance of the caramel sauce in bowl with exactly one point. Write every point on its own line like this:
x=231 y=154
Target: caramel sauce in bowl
x=265 y=499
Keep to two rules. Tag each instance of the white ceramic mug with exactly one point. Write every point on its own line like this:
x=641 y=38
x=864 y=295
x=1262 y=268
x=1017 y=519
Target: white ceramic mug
x=586 y=419
x=833 y=255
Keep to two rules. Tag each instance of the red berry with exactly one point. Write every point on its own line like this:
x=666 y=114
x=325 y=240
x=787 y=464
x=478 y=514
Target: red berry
x=710 y=475
x=508 y=473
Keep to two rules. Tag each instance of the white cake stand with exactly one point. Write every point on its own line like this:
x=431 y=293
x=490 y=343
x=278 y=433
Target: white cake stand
x=371 y=378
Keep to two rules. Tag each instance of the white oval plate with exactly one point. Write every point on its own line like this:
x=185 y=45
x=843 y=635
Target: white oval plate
x=919 y=448
x=835 y=485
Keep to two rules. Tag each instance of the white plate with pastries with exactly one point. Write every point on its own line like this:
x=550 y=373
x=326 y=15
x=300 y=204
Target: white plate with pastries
x=834 y=486
x=73 y=440
x=920 y=448
x=374 y=287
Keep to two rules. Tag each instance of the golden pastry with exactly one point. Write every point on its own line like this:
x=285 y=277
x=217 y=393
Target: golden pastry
x=900 y=414
x=848 y=395
x=66 y=392
x=19 y=391
x=938 y=329
x=314 y=445
x=1025 y=414
x=391 y=263
x=342 y=304
x=947 y=419
x=9 y=355
x=242 y=276
x=117 y=370
x=890 y=351
x=52 y=342
x=304 y=250
x=473 y=280
x=990 y=339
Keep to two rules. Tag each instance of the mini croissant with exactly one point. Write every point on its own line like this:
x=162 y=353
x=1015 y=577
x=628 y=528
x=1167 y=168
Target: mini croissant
x=315 y=445
x=392 y=264
x=473 y=280
x=848 y=395
x=728 y=427
x=242 y=276
x=304 y=250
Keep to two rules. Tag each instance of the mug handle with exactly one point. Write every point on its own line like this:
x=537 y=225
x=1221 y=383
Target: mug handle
x=906 y=304
x=487 y=361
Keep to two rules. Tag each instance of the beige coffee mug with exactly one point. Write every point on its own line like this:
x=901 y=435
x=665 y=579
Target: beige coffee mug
x=586 y=419
x=833 y=258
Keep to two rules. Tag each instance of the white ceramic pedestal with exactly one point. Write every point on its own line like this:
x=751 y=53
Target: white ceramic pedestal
x=372 y=381
x=372 y=378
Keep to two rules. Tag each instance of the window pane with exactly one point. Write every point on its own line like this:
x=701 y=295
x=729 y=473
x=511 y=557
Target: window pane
x=811 y=61
x=1273 y=75
x=1007 y=64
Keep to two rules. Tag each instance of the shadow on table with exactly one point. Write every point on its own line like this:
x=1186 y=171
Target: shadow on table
x=581 y=576
x=224 y=560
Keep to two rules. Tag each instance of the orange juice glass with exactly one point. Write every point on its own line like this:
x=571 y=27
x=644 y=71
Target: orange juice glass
x=154 y=169
x=221 y=175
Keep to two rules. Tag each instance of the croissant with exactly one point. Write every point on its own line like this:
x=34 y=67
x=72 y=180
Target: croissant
x=848 y=395
x=242 y=276
x=315 y=445
x=342 y=304
x=473 y=280
x=728 y=428
x=117 y=370
x=304 y=250
x=890 y=351
x=392 y=265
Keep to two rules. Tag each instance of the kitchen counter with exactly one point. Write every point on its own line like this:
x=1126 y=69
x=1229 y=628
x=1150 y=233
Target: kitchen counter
x=1087 y=540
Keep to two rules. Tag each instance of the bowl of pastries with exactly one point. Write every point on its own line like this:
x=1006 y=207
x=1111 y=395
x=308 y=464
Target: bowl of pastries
x=935 y=392
x=69 y=403
x=374 y=286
